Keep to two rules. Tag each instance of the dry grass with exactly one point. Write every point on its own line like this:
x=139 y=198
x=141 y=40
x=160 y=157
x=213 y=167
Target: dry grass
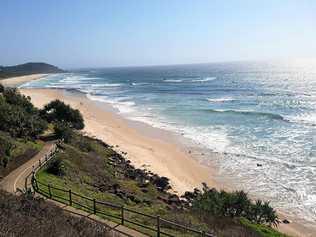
x=28 y=216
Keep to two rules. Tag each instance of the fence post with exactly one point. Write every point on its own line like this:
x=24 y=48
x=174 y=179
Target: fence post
x=39 y=163
x=49 y=191
x=36 y=185
x=158 y=226
x=26 y=183
x=94 y=206
x=70 y=200
x=122 y=215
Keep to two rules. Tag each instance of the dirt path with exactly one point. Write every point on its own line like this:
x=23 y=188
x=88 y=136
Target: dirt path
x=16 y=179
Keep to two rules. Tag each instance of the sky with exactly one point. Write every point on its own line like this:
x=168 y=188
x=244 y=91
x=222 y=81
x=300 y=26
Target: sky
x=105 y=33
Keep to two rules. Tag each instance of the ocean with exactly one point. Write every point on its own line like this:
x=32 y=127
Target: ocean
x=260 y=116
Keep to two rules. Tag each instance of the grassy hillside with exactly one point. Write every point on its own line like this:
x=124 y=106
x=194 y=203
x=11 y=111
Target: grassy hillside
x=14 y=152
x=28 y=216
x=93 y=169
x=27 y=69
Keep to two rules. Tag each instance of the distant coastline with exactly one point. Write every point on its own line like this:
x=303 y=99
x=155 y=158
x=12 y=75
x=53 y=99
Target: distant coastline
x=28 y=69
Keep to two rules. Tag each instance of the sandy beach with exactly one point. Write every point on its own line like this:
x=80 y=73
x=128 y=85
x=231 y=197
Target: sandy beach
x=146 y=147
x=16 y=81
x=155 y=153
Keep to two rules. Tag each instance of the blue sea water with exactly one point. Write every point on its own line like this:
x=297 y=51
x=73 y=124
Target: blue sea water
x=251 y=113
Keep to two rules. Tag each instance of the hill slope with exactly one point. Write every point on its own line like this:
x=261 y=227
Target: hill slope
x=27 y=69
x=27 y=216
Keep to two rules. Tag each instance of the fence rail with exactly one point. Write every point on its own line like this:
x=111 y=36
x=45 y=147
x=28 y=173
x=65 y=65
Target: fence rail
x=98 y=207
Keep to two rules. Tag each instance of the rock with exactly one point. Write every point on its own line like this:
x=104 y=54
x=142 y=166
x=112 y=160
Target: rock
x=259 y=165
x=174 y=200
x=286 y=221
x=162 y=183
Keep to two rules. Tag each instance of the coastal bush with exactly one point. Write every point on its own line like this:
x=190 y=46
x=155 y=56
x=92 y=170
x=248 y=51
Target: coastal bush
x=58 y=111
x=211 y=202
x=1 y=88
x=5 y=150
x=63 y=131
x=14 y=97
x=19 y=118
x=56 y=167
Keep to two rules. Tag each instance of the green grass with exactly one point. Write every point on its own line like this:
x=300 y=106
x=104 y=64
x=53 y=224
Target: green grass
x=264 y=231
x=22 y=146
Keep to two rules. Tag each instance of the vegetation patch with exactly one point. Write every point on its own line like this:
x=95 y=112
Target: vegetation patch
x=15 y=152
x=93 y=169
x=28 y=216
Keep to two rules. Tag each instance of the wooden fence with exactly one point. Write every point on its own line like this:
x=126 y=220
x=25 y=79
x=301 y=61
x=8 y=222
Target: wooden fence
x=155 y=224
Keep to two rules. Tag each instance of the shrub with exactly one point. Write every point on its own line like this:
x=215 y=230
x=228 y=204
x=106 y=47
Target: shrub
x=58 y=111
x=5 y=151
x=212 y=203
x=18 y=122
x=1 y=88
x=84 y=144
x=56 y=167
x=63 y=131
x=12 y=96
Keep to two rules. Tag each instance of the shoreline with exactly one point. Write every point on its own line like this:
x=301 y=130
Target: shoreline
x=145 y=144
x=17 y=81
x=152 y=148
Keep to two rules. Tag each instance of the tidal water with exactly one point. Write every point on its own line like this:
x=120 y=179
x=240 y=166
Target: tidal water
x=260 y=116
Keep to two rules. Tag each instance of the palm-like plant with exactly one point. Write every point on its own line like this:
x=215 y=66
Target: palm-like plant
x=212 y=203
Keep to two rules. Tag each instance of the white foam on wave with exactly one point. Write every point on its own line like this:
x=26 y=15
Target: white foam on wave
x=140 y=83
x=123 y=105
x=205 y=79
x=220 y=100
x=173 y=80
x=106 y=85
x=215 y=139
x=306 y=118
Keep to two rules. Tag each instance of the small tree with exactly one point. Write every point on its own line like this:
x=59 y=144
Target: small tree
x=14 y=97
x=1 y=88
x=18 y=122
x=58 y=111
x=63 y=131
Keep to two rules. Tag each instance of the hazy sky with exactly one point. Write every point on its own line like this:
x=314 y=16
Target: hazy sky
x=79 y=33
